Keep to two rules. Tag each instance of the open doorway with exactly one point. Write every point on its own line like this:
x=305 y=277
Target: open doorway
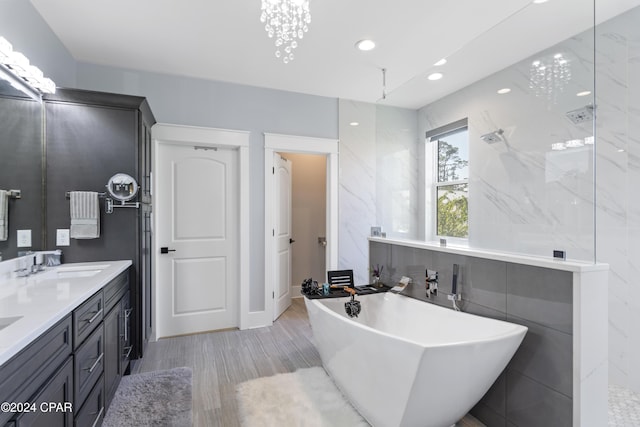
x=290 y=144
x=309 y=217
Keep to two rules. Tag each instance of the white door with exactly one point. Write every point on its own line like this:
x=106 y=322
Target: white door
x=282 y=233
x=197 y=213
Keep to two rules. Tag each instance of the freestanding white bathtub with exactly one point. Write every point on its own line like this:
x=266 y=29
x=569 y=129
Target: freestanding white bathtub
x=404 y=362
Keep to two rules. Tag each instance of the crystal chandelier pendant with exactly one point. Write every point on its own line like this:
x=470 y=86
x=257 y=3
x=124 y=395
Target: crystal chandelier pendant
x=286 y=21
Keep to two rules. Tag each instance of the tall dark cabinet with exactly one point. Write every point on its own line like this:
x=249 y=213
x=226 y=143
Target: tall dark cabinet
x=89 y=137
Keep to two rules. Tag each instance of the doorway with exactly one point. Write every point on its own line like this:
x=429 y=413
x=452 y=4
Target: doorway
x=327 y=148
x=309 y=217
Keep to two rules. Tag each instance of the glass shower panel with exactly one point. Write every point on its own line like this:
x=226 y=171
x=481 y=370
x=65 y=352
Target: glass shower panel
x=531 y=132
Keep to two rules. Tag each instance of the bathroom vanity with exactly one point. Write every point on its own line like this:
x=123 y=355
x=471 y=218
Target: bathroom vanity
x=65 y=342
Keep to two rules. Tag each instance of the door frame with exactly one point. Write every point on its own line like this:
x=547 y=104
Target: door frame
x=164 y=133
x=274 y=143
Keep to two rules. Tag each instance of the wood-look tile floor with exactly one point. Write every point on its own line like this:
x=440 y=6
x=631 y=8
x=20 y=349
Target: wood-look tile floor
x=221 y=360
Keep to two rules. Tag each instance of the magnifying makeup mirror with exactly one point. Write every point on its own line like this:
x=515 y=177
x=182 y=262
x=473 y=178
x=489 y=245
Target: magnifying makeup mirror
x=122 y=187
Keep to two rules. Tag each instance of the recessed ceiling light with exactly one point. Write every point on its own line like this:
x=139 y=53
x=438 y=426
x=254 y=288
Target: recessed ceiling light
x=540 y=1
x=366 y=45
x=504 y=90
x=584 y=93
x=441 y=62
x=354 y=124
x=435 y=76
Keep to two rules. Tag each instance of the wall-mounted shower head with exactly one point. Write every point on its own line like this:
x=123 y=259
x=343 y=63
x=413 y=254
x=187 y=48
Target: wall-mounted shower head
x=581 y=115
x=492 y=137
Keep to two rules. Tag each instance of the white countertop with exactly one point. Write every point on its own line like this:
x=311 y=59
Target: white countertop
x=536 y=261
x=46 y=297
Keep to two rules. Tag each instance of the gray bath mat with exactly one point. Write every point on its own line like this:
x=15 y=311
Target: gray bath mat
x=159 y=398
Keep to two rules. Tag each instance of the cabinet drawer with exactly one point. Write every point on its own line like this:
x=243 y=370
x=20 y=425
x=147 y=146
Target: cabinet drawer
x=24 y=373
x=93 y=411
x=89 y=365
x=115 y=289
x=87 y=317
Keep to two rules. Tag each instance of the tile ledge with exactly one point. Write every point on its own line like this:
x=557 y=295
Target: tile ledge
x=536 y=261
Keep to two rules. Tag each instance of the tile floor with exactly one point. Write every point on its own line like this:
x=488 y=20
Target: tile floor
x=624 y=407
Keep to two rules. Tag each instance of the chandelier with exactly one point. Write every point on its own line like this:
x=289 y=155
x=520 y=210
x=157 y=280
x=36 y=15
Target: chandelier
x=549 y=76
x=286 y=21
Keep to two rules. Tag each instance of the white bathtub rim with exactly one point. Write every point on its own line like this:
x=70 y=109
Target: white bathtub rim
x=515 y=331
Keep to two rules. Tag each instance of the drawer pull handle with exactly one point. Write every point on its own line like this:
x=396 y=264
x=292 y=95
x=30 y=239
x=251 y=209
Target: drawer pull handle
x=95 y=423
x=95 y=364
x=127 y=313
x=126 y=356
x=95 y=316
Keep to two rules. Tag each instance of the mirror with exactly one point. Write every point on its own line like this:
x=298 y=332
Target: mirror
x=122 y=187
x=21 y=167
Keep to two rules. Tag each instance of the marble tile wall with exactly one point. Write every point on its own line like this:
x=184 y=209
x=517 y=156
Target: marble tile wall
x=524 y=196
x=539 y=379
x=527 y=198
x=378 y=179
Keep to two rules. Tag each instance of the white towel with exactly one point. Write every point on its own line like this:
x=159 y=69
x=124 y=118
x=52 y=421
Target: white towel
x=85 y=215
x=4 y=215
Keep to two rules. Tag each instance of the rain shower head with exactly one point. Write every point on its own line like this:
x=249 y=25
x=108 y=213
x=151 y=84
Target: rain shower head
x=492 y=137
x=581 y=115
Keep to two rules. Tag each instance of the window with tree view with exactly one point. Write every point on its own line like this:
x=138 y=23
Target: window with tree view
x=452 y=183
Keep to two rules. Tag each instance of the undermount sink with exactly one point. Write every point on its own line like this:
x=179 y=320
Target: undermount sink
x=68 y=272
x=81 y=268
x=8 y=321
x=80 y=271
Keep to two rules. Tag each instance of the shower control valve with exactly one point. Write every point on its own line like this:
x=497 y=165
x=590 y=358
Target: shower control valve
x=432 y=282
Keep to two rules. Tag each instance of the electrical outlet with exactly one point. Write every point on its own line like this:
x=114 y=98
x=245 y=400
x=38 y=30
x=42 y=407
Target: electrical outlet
x=24 y=238
x=62 y=237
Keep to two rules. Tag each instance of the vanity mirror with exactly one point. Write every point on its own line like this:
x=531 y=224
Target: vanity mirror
x=21 y=168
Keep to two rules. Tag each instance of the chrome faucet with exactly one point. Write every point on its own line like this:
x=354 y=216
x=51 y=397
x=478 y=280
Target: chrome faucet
x=432 y=283
x=28 y=264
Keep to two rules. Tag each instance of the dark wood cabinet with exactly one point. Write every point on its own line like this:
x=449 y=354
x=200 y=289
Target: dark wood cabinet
x=24 y=375
x=117 y=333
x=50 y=406
x=89 y=137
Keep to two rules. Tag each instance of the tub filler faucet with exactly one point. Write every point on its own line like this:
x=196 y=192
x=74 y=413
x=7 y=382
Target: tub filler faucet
x=432 y=283
x=454 y=296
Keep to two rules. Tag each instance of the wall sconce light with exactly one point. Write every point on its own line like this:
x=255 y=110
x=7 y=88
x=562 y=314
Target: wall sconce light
x=15 y=68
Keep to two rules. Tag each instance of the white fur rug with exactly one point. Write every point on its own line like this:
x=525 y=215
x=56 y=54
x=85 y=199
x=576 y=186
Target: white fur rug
x=304 y=398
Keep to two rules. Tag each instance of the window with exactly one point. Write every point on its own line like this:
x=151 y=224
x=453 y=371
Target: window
x=451 y=181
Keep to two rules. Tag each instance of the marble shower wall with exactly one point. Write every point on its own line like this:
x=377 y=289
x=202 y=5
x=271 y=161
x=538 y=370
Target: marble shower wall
x=524 y=196
x=617 y=178
x=527 y=198
x=378 y=179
